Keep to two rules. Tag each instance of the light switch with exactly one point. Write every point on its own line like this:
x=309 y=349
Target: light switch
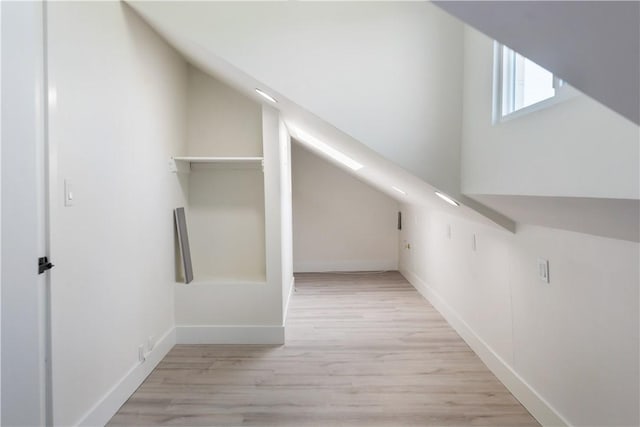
x=68 y=193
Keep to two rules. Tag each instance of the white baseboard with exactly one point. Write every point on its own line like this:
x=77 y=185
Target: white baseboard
x=196 y=334
x=320 y=267
x=107 y=407
x=530 y=398
x=286 y=306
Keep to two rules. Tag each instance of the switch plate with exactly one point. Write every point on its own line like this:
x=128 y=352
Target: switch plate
x=474 y=242
x=449 y=231
x=543 y=270
x=68 y=193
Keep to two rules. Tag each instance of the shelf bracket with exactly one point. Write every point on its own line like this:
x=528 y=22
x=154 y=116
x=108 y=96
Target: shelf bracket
x=179 y=166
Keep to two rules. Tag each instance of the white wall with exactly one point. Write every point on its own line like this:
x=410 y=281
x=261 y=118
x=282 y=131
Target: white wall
x=117 y=117
x=273 y=205
x=581 y=34
x=339 y=223
x=221 y=121
x=574 y=341
x=286 y=216
x=577 y=148
x=568 y=349
x=386 y=73
x=225 y=216
x=235 y=227
x=225 y=208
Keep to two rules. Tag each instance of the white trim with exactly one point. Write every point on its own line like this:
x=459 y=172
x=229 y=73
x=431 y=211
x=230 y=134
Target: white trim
x=527 y=395
x=108 y=405
x=187 y=164
x=286 y=306
x=562 y=93
x=496 y=109
x=319 y=267
x=250 y=334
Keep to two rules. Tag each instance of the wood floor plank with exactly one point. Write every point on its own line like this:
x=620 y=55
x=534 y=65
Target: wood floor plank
x=361 y=350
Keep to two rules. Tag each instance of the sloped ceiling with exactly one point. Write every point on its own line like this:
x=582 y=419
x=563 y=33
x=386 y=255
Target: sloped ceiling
x=386 y=73
x=407 y=120
x=596 y=44
x=380 y=82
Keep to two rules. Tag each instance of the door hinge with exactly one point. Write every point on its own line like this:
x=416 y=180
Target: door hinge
x=44 y=264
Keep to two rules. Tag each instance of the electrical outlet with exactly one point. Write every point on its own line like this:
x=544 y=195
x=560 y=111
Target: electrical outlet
x=141 y=356
x=150 y=343
x=68 y=193
x=474 y=242
x=543 y=270
x=449 y=231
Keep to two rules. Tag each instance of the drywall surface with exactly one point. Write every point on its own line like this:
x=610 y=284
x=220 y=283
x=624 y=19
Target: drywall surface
x=574 y=340
x=117 y=113
x=577 y=148
x=613 y=218
x=581 y=34
x=233 y=215
x=308 y=26
x=226 y=224
x=386 y=73
x=221 y=121
x=274 y=224
x=339 y=222
x=226 y=206
x=286 y=215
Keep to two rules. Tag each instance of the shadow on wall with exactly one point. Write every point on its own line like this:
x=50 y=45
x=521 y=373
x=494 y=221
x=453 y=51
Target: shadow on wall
x=613 y=218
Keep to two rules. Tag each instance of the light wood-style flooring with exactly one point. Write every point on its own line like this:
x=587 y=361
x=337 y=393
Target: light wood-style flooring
x=361 y=350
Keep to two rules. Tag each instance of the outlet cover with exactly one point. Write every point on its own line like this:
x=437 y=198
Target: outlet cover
x=543 y=270
x=68 y=193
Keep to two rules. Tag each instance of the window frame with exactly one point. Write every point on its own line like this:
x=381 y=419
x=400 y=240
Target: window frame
x=502 y=98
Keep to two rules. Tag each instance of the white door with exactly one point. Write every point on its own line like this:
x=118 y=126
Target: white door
x=23 y=232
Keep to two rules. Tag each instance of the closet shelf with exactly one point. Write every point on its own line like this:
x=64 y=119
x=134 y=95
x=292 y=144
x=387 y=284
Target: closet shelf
x=185 y=164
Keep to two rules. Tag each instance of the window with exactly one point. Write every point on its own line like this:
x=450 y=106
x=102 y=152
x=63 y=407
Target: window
x=520 y=85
